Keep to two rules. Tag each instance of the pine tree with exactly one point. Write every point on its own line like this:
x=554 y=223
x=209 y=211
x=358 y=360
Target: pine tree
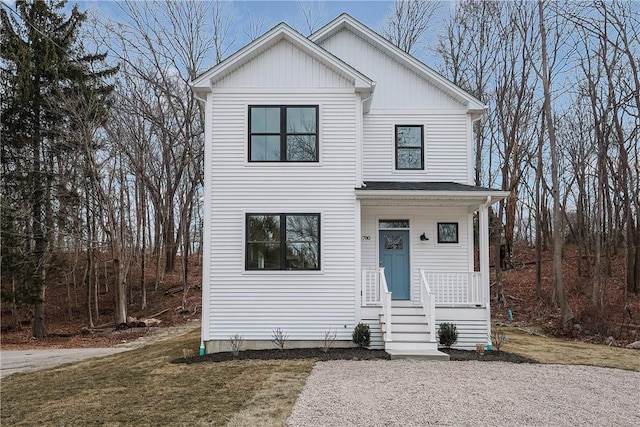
x=42 y=62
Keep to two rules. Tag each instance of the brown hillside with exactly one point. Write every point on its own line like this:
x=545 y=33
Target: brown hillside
x=619 y=317
x=66 y=312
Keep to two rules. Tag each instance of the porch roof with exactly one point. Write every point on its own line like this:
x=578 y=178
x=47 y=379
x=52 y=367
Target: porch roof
x=443 y=192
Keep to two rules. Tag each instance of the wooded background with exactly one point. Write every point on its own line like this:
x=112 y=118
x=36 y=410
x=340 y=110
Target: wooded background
x=102 y=140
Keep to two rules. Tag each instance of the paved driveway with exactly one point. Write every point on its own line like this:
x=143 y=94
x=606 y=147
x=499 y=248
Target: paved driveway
x=12 y=361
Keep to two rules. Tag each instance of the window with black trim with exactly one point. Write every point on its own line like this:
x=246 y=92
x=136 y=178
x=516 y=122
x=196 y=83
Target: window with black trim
x=409 y=147
x=447 y=232
x=286 y=133
x=283 y=242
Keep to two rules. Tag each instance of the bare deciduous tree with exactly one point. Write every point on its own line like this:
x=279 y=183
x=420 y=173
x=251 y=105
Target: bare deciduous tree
x=313 y=15
x=544 y=73
x=408 y=22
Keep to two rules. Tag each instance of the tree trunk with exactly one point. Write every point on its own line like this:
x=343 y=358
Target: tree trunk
x=39 y=238
x=539 y=219
x=120 y=292
x=561 y=298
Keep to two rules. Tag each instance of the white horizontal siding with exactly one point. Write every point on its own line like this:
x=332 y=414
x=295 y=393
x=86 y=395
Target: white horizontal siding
x=371 y=317
x=429 y=255
x=471 y=325
x=396 y=85
x=446 y=145
x=302 y=304
x=283 y=65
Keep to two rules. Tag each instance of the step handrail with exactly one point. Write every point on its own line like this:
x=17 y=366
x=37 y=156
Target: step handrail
x=428 y=300
x=385 y=297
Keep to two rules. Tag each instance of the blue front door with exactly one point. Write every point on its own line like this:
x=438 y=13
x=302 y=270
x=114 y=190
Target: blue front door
x=394 y=257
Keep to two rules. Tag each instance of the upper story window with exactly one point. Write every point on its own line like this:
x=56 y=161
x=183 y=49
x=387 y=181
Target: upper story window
x=409 y=147
x=287 y=133
x=283 y=242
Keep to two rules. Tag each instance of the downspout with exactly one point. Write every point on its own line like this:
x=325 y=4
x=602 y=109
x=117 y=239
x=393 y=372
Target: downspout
x=360 y=152
x=205 y=283
x=358 y=213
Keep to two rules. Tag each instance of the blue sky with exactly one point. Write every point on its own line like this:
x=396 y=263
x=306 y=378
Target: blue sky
x=372 y=13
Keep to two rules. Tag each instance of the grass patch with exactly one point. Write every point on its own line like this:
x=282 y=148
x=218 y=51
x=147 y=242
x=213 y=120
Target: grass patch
x=140 y=387
x=563 y=352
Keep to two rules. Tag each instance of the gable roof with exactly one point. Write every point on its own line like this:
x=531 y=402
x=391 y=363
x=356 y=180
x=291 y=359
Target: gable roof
x=345 y=21
x=205 y=81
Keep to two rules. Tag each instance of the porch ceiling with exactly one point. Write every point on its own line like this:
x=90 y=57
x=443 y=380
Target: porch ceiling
x=379 y=193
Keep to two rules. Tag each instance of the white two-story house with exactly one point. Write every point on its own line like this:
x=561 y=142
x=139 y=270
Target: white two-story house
x=339 y=190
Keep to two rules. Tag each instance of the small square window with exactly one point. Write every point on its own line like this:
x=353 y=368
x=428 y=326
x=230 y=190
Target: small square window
x=409 y=147
x=447 y=232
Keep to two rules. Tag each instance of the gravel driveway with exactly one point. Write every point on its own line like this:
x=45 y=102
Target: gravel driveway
x=418 y=393
x=13 y=361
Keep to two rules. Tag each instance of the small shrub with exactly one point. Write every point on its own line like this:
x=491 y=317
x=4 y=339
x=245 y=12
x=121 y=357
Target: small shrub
x=362 y=335
x=279 y=338
x=448 y=334
x=498 y=338
x=235 y=342
x=328 y=340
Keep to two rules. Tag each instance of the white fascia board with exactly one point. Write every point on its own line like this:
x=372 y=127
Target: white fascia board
x=203 y=83
x=462 y=196
x=475 y=107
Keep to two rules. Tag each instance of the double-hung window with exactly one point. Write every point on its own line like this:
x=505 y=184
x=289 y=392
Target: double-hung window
x=409 y=147
x=286 y=133
x=283 y=242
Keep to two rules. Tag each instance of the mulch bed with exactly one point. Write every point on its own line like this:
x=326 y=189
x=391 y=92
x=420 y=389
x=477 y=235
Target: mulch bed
x=488 y=356
x=355 y=353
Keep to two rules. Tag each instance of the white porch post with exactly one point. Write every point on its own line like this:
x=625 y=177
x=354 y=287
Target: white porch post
x=358 y=261
x=483 y=232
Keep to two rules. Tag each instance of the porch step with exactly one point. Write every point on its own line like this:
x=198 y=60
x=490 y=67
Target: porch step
x=418 y=354
x=412 y=310
x=409 y=346
x=409 y=319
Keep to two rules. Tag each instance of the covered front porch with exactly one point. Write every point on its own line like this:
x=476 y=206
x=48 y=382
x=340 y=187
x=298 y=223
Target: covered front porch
x=417 y=262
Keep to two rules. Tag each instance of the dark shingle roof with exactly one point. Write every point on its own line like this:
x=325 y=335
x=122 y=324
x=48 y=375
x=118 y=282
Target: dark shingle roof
x=421 y=186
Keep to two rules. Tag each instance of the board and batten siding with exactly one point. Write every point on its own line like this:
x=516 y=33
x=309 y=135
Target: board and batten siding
x=305 y=303
x=284 y=65
x=397 y=87
x=446 y=148
x=428 y=255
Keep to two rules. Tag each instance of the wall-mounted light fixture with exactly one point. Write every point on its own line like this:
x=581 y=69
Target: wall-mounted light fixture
x=424 y=237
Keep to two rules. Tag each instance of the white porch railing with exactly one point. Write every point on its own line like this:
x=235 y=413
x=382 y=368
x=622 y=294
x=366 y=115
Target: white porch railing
x=457 y=288
x=448 y=289
x=371 y=287
x=375 y=292
x=428 y=300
